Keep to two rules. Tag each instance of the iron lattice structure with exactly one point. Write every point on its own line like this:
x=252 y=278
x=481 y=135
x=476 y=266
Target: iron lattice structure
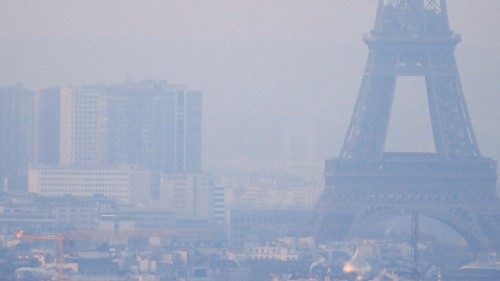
x=455 y=185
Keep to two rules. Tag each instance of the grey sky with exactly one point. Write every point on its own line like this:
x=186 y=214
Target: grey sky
x=263 y=65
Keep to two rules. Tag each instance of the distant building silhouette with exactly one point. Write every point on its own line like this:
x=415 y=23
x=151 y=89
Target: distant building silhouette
x=16 y=109
x=151 y=124
x=172 y=130
x=190 y=196
x=83 y=127
x=156 y=125
x=46 y=127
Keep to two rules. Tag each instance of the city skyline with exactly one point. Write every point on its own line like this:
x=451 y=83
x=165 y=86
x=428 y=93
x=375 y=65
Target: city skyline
x=151 y=127
x=250 y=140
x=217 y=60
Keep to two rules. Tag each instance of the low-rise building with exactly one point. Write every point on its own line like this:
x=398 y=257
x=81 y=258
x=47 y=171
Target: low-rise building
x=270 y=252
x=252 y=225
x=123 y=184
x=193 y=196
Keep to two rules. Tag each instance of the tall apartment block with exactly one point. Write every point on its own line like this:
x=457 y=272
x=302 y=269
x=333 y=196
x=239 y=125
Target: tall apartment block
x=46 y=127
x=150 y=126
x=157 y=126
x=173 y=130
x=124 y=130
x=191 y=158
x=16 y=116
x=83 y=127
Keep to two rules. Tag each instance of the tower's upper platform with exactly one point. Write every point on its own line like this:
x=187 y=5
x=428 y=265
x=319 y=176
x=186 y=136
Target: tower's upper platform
x=412 y=19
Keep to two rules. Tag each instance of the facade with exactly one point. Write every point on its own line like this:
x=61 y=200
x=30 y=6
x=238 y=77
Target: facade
x=155 y=125
x=35 y=214
x=255 y=225
x=190 y=154
x=136 y=219
x=170 y=123
x=152 y=125
x=123 y=185
x=193 y=196
x=46 y=127
x=27 y=217
x=219 y=203
x=16 y=115
x=83 y=127
x=123 y=146
x=270 y=252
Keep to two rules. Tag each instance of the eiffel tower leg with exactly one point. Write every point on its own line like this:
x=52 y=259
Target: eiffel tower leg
x=452 y=129
x=370 y=119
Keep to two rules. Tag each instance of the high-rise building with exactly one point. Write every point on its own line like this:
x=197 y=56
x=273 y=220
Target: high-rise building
x=172 y=128
x=124 y=126
x=46 y=127
x=155 y=125
x=83 y=127
x=191 y=155
x=16 y=120
x=151 y=124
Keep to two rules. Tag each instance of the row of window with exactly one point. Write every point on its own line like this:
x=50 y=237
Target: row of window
x=110 y=196
x=59 y=184
x=80 y=173
x=85 y=179
x=71 y=191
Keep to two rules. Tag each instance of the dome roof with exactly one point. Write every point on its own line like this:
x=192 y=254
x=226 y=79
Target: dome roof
x=357 y=264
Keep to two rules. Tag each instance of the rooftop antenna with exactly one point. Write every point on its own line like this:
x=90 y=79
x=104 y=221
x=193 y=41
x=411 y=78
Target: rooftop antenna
x=128 y=78
x=414 y=246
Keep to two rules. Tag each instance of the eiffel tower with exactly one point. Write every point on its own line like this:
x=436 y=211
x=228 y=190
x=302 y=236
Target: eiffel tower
x=455 y=185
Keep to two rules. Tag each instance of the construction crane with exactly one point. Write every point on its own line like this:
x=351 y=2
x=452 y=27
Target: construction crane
x=60 y=260
x=60 y=238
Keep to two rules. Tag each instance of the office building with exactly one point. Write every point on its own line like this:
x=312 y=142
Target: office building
x=151 y=124
x=46 y=127
x=155 y=125
x=124 y=132
x=125 y=184
x=189 y=153
x=16 y=115
x=83 y=127
x=191 y=196
x=171 y=127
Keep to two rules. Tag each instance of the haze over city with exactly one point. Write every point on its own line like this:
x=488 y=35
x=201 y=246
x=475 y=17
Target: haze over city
x=263 y=66
x=217 y=140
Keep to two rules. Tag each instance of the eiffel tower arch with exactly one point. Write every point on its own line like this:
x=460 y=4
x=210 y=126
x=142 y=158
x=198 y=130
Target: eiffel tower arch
x=454 y=185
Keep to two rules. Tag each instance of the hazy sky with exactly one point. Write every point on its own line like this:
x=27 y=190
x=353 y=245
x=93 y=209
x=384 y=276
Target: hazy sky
x=264 y=66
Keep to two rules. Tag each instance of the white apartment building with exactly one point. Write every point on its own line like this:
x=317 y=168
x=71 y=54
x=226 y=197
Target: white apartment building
x=83 y=127
x=122 y=185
